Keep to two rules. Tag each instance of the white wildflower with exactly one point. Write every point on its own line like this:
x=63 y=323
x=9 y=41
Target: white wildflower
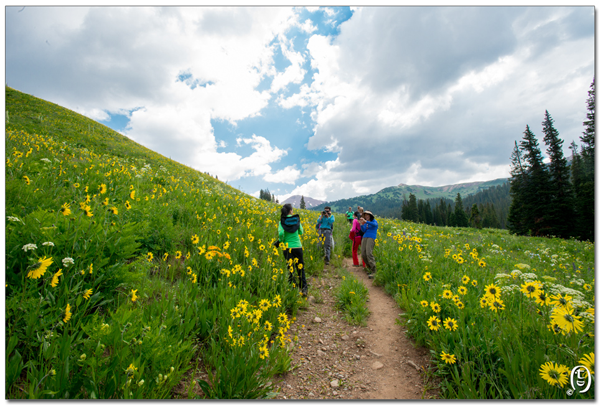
x=48 y=243
x=510 y=289
x=46 y=160
x=579 y=282
x=516 y=273
x=29 y=247
x=573 y=292
x=68 y=261
x=529 y=277
x=577 y=303
x=560 y=289
x=12 y=218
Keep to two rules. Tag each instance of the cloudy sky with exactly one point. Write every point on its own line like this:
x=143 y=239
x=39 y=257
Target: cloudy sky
x=326 y=102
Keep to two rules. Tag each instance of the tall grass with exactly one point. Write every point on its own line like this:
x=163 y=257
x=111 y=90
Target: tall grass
x=124 y=268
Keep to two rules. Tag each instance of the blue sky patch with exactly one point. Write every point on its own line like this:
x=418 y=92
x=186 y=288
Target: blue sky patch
x=189 y=80
x=118 y=122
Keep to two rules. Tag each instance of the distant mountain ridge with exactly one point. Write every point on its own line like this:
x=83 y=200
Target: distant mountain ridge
x=394 y=195
x=309 y=201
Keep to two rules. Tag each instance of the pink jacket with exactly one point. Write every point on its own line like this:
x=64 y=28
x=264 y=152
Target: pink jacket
x=355 y=226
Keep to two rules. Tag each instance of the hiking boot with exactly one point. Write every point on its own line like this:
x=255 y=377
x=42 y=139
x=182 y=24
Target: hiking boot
x=371 y=275
x=305 y=291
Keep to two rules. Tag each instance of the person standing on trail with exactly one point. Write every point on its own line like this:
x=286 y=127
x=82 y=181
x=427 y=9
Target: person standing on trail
x=325 y=222
x=360 y=211
x=369 y=228
x=356 y=237
x=350 y=215
x=328 y=210
x=289 y=230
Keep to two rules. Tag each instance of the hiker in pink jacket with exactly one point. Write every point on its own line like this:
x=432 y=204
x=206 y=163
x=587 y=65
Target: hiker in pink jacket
x=356 y=237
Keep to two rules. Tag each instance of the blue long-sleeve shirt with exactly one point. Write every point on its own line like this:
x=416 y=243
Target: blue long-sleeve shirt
x=370 y=229
x=325 y=222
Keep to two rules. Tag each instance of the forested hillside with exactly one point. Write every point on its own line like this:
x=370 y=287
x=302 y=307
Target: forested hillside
x=386 y=201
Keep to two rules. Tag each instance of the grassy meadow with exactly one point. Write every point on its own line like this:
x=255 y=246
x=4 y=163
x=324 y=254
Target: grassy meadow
x=128 y=274
x=505 y=317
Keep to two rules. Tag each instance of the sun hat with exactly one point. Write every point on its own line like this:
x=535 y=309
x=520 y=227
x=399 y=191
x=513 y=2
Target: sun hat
x=368 y=212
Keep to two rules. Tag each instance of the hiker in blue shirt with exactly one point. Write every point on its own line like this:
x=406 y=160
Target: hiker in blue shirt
x=325 y=223
x=368 y=226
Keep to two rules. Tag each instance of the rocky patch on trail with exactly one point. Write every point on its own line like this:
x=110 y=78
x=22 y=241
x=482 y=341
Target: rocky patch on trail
x=334 y=360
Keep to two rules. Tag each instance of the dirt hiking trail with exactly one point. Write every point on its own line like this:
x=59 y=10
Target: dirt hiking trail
x=334 y=360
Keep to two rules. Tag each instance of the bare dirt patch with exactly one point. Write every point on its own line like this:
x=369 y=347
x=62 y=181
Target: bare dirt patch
x=334 y=360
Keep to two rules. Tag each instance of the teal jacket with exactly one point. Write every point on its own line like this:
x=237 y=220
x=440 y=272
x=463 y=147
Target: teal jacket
x=326 y=222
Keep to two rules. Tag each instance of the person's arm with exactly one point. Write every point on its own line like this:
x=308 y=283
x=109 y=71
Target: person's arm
x=320 y=220
x=373 y=223
x=281 y=232
x=300 y=230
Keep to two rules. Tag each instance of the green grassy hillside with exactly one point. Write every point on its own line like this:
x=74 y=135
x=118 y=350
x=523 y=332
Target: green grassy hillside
x=128 y=274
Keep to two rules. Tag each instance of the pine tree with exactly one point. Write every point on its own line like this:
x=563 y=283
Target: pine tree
x=475 y=218
x=585 y=195
x=516 y=214
x=428 y=214
x=489 y=217
x=443 y=213
x=560 y=214
x=410 y=210
x=460 y=218
x=413 y=209
x=404 y=210
x=535 y=195
x=302 y=203
x=266 y=195
x=451 y=222
x=588 y=139
x=437 y=216
x=421 y=211
x=577 y=177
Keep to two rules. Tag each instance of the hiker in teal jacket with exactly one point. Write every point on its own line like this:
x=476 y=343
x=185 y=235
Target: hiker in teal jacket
x=325 y=222
x=350 y=216
x=289 y=230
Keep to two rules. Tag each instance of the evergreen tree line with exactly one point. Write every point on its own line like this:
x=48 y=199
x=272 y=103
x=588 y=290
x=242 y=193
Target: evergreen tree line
x=480 y=212
x=554 y=199
x=266 y=195
x=435 y=211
